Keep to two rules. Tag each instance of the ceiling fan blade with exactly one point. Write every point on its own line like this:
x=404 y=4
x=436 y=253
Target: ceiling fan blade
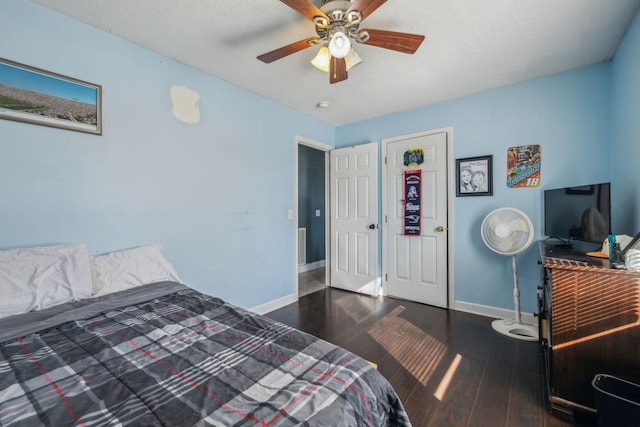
x=401 y=42
x=287 y=50
x=366 y=7
x=305 y=8
x=337 y=70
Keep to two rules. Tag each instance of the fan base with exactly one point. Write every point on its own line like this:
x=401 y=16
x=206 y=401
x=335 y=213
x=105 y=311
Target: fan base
x=521 y=331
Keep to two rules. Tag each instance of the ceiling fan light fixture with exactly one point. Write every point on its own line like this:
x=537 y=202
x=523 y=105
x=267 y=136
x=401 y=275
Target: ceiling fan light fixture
x=352 y=59
x=322 y=58
x=339 y=45
x=337 y=23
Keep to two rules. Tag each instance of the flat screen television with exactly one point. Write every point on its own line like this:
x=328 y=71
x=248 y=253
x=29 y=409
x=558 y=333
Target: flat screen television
x=578 y=213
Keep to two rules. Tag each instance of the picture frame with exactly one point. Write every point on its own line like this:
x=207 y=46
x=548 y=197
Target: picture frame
x=40 y=97
x=474 y=176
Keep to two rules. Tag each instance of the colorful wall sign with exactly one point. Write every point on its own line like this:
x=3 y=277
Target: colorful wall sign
x=523 y=166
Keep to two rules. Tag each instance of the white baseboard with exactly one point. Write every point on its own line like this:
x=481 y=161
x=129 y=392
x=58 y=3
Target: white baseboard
x=494 y=312
x=274 y=304
x=311 y=266
x=468 y=307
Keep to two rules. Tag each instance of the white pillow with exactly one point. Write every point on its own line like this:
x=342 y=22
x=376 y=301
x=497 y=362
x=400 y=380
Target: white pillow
x=39 y=277
x=129 y=268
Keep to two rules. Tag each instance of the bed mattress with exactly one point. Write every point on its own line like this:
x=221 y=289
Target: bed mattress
x=166 y=354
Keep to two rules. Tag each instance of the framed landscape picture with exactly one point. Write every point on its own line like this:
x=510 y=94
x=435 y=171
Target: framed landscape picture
x=474 y=176
x=40 y=97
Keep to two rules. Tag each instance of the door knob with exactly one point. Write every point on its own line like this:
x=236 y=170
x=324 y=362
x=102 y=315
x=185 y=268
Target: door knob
x=372 y=226
x=439 y=229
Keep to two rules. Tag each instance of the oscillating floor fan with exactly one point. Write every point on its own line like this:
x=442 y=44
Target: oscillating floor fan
x=509 y=231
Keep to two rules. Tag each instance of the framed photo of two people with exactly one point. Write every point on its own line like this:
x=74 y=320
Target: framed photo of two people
x=474 y=176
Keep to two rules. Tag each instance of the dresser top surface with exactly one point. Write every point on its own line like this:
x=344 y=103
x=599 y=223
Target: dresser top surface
x=553 y=254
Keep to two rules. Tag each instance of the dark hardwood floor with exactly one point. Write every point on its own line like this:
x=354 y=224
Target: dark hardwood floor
x=449 y=368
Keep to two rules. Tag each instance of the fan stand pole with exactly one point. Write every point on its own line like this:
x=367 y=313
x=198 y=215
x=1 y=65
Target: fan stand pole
x=516 y=290
x=516 y=329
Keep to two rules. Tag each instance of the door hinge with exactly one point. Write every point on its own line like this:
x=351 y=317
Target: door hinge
x=385 y=160
x=386 y=219
x=386 y=277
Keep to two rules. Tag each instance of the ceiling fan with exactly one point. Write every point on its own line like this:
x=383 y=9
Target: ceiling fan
x=337 y=23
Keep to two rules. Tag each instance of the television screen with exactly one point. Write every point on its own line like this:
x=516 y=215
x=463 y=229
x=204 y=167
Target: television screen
x=580 y=213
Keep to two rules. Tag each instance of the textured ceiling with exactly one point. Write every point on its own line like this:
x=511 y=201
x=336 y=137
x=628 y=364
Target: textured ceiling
x=470 y=46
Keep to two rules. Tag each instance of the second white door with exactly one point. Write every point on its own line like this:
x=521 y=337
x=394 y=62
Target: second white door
x=415 y=267
x=354 y=218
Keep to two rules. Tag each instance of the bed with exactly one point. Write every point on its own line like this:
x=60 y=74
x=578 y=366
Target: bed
x=163 y=353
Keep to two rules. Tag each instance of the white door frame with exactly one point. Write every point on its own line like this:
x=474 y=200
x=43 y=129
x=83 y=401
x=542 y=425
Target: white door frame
x=450 y=198
x=300 y=140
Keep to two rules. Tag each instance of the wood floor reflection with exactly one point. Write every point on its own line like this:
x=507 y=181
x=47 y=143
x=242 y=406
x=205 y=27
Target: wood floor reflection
x=450 y=368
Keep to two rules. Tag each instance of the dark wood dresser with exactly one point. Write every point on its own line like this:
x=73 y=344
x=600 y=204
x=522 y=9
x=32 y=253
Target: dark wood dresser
x=589 y=324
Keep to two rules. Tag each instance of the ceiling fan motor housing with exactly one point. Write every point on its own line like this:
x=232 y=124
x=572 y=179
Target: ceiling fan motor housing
x=339 y=6
x=339 y=21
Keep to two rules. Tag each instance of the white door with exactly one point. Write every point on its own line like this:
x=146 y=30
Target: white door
x=415 y=267
x=354 y=218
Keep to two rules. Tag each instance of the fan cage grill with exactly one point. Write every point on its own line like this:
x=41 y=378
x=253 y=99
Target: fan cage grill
x=507 y=231
x=515 y=242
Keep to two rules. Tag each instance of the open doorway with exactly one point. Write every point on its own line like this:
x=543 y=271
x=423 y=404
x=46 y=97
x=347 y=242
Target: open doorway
x=312 y=209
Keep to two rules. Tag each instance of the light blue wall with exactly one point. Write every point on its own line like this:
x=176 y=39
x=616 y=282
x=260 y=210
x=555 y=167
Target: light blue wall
x=214 y=194
x=568 y=114
x=626 y=129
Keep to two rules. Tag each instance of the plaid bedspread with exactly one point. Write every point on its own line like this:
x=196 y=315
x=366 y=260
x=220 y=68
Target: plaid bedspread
x=186 y=359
